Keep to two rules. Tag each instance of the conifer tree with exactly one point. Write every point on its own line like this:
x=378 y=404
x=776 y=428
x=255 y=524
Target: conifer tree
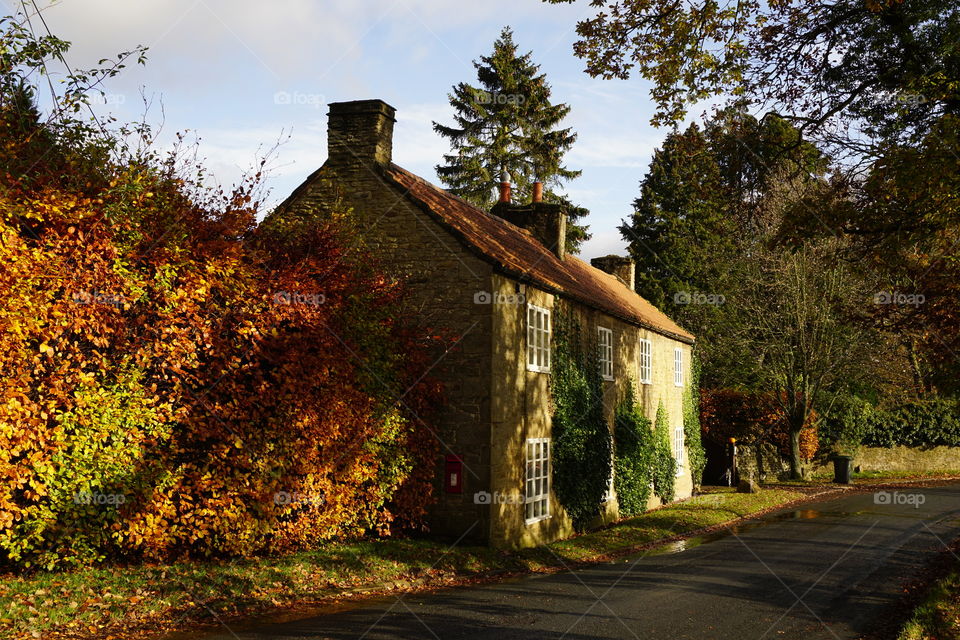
x=702 y=213
x=507 y=126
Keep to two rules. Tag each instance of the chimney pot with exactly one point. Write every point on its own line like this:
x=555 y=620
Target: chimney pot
x=537 y=191
x=505 y=196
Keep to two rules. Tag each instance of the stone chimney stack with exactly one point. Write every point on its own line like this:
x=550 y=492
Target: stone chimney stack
x=360 y=133
x=621 y=267
x=546 y=221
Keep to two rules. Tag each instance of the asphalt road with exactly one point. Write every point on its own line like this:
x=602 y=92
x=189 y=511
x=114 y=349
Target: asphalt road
x=829 y=570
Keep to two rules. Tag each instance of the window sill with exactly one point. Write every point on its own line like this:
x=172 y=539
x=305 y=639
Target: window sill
x=538 y=369
x=536 y=520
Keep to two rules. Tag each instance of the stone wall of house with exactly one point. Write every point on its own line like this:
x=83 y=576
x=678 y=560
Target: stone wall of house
x=446 y=283
x=660 y=389
x=521 y=409
x=521 y=405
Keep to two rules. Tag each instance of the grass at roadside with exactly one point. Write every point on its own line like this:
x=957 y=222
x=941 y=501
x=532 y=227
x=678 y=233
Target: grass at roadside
x=97 y=602
x=938 y=616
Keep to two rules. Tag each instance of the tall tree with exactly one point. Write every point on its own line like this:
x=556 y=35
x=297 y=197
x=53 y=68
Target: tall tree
x=794 y=312
x=678 y=218
x=681 y=238
x=906 y=218
x=887 y=67
x=878 y=81
x=700 y=202
x=714 y=235
x=507 y=126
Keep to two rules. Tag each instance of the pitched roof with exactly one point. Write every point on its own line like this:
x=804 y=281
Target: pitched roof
x=515 y=252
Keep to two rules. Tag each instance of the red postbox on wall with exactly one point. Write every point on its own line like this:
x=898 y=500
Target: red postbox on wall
x=453 y=475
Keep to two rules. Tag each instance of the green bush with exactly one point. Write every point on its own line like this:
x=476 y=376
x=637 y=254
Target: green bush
x=633 y=461
x=853 y=421
x=916 y=424
x=696 y=455
x=663 y=466
x=581 y=435
x=845 y=425
x=102 y=463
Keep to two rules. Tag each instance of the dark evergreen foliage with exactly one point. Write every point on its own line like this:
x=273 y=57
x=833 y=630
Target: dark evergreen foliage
x=506 y=125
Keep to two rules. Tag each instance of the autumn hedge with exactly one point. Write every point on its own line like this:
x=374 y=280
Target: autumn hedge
x=179 y=379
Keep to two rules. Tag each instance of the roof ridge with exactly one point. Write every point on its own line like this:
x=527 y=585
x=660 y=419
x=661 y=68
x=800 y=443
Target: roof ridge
x=509 y=247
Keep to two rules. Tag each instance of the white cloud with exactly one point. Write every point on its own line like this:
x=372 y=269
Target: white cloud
x=284 y=39
x=210 y=33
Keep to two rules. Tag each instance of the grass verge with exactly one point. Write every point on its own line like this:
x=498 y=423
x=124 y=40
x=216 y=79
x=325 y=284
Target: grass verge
x=131 y=601
x=938 y=616
x=936 y=609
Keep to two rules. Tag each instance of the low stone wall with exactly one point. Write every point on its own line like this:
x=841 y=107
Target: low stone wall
x=901 y=458
x=762 y=463
x=769 y=466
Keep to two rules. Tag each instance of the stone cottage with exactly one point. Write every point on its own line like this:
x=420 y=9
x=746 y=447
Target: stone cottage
x=494 y=278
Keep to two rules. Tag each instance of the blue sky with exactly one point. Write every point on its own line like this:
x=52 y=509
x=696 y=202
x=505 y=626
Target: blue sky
x=223 y=68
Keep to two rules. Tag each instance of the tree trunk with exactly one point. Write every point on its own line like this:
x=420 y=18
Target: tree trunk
x=919 y=379
x=796 y=466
